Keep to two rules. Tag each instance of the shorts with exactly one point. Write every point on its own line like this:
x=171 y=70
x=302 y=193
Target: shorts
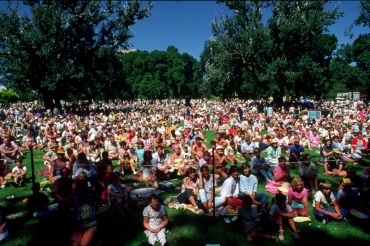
x=86 y=225
x=296 y=205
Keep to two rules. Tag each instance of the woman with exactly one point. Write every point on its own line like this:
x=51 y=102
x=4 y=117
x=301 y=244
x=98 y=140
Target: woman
x=326 y=151
x=305 y=141
x=189 y=191
x=155 y=221
x=57 y=165
x=28 y=141
x=273 y=153
x=282 y=172
x=298 y=197
x=147 y=170
x=315 y=139
x=281 y=211
x=177 y=160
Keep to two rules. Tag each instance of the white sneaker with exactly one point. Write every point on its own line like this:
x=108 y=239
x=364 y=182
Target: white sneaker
x=227 y=220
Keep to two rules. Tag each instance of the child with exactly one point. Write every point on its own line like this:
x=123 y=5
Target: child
x=280 y=211
x=119 y=195
x=155 y=221
x=321 y=202
x=127 y=164
x=18 y=173
x=140 y=151
x=251 y=222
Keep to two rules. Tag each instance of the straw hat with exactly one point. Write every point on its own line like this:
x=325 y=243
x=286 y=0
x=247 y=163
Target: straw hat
x=60 y=151
x=284 y=187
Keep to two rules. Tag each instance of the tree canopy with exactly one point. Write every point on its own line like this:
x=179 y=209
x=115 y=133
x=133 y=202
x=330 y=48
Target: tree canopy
x=66 y=49
x=287 y=56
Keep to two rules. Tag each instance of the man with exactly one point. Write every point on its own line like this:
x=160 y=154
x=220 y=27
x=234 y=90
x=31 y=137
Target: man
x=93 y=132
x=9 y=150
x=161 y=162
x=51 y=155
x=198 y=149
x=295 y=151
x=260 y=166
x=247 y=149
x=308 y=173
x=38 y=202
x=63 y=186
x=112 y=148
x=248 y=187
x=220 y=162
x=334 y=165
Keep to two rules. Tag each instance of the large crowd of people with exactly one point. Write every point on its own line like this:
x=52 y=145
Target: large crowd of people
x=156 y=141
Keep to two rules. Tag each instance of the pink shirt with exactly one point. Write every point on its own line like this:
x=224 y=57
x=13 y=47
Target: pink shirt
x=280 y=171
x=297 y=197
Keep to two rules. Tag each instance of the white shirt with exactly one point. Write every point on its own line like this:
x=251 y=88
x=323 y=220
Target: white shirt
x=229 y=188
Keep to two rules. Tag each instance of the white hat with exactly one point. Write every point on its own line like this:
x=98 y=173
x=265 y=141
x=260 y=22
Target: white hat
x=219 y=147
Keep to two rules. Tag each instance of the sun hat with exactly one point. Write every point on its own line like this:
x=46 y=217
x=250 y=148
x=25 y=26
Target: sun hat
x=274 y=141
x=53 y=145
x=60 y=151
x=219 y=147
x=336 y=151
x=284 y=187
x=346 y=181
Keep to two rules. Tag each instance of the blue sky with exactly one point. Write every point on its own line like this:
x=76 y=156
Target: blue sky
x=186 y=25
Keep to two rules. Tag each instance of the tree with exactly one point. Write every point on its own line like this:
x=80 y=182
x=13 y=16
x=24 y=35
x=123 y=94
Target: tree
x=67 y=49
x=8 y=96
x=287 y=56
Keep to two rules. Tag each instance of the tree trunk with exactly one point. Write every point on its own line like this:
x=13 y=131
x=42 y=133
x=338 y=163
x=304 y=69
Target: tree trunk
x=48 y=99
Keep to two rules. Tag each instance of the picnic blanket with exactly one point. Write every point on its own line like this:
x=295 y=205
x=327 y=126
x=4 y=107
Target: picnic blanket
x=44 y=172
x=145 y=192
x=272 y=187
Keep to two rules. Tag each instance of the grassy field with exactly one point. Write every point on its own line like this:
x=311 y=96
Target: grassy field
x=188 y=228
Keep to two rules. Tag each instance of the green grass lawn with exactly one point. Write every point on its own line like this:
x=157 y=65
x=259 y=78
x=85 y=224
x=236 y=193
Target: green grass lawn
x=188 y=228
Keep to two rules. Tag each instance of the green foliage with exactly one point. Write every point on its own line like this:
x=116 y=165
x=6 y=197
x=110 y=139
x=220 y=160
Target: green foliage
x=160 y=74
x=67 y=46
x=8 y=96
x=287 y=56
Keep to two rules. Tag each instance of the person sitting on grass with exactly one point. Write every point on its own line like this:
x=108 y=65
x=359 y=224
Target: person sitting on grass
x=250 y=222
x=307 y=171
x=83 y=202
x=230 y=190
x=189 y=192
x=206 y=183
x=4 y=234
x=18 y=173
x=248 y=187
x=334 y=165
x=38 y=203
x=282 y=172
x=357 y=181
x=348 y=198
x=155 y=221
x=260 y=166
x=147 y=170
x=4 y=170
x=321 y=202
x=298 y=197
x=177 y=160
x=127 y=164
x=281 y=211
x=119 y=195
x=62 y=187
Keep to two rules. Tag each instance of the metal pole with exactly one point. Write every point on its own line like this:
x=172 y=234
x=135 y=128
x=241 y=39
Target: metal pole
x=32 y=165
x=214 y=185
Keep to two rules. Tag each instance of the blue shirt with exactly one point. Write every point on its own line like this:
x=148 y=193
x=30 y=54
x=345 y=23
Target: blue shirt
x=297 y=150
x=248 y=184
